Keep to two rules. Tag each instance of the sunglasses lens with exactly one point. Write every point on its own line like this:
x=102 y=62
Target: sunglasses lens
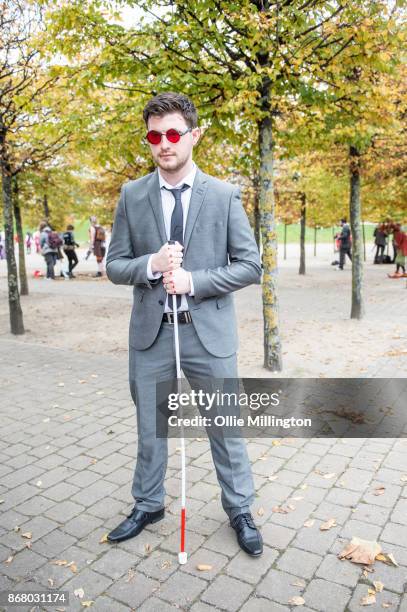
x=153 y=137
x=173 y=136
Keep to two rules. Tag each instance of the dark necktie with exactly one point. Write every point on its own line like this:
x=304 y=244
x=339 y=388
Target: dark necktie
x=177 y=221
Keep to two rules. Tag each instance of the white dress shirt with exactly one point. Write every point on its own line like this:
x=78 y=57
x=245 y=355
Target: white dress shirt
x=168 y=204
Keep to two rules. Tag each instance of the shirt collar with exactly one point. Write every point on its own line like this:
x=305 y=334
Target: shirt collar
x=188 y=179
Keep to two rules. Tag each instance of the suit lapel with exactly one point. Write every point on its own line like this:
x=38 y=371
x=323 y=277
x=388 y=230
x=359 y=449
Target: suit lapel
x=197 y=197
x=154 y=196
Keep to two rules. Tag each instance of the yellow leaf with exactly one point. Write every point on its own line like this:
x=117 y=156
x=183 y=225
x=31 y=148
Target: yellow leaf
x=87 y=604
x=379 y=586
x=328 y=524
x=296 y=601
x=27 y=535
x=103 y=539
x=368 y=600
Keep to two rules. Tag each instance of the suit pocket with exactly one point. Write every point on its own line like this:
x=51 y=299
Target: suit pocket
x=222 y=302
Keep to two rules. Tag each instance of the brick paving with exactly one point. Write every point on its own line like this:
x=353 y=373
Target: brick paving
x=67 y=453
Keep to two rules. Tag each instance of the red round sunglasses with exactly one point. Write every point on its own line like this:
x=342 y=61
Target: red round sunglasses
x=172 y=135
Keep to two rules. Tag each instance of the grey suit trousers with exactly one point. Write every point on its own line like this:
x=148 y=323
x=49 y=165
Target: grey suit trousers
x=155 y=364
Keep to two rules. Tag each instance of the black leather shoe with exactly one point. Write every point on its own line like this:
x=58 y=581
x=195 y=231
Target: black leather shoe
x=134 y=524
x=248 y=536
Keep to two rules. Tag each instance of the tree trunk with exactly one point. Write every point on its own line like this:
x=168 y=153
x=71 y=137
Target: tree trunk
x=256 y=214
x=272 y=343
x=22 y=271
x=364 y=241
x=315 y=241
x=357 y=310
x=302 y=234
x=16 y=314
x=46 y=207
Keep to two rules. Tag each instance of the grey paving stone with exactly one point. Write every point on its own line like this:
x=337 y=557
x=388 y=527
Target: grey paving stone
x=359 y=529
x=356 y=479
x=23 y=564
x=314 y=495
x=60 y=492
x=91 y=582
x=335 y=570
x=203 y=556
x=153 y=604
x=36 y=505
x=384 y=597
x=54 y=543
x=224 y=539
x=299 y=562
x=64 y=511
x=114 y=563
x=251 y=569
x=369 y=513
x=227 y=593
x=106 y=508
x=23 y=475
x=295 y=518
x=203 y=525
x=403 y=605
x=280 y=587
x=159 y=565
x=277 y=536
x=314 y=540
x=81 y=525
x=396 y=461
x=192 y=541
x=399 y=514
x=326 y=510
x=259 y=604
x=394 y=533
x=393 y=578
x=94 y=492
x=178 y=590
x=343 y=497
x=302 y=462
x=387 y=500
x=326 y=596
x=106 y=604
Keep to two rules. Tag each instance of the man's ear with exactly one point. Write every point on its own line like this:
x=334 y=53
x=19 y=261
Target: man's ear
x=196 y=134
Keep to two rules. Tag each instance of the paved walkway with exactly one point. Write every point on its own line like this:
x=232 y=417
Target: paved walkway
x=67 y=454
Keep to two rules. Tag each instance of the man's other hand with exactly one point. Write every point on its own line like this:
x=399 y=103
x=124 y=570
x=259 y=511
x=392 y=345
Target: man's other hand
x=168 y=258
x=177 y=281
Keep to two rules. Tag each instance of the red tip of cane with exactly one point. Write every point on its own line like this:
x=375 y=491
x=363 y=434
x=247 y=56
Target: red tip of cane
x=183 y=522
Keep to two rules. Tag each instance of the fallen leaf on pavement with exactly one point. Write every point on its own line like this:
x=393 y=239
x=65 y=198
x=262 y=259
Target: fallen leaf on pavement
x=403 y=478
x=296 y=601
x=147 y=548
x=59 y=562
x=87 y=604
x=271 y=478
x=387 y=604
x=103 y=539
x=80 y=593
x=299 y=583
x=379 y=586
x=379 y=491
x=282 y=509
x=276 y=442
x=387 y=558
x=309 y=523
x=72 y=567
x=298 y=498
x=328 y=476
x=27 y=535
x=203 y=567
x=361 y=551
x=9 y=559
x=50 y=582
x=368 y=600
x=260 y=511
x=328 y=524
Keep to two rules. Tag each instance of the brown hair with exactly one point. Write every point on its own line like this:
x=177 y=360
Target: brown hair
x=171 y=102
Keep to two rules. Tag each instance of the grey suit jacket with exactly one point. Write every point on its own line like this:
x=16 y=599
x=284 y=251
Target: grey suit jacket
x=219 y=251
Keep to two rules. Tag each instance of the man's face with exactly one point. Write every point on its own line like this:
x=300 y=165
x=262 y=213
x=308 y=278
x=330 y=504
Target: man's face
x=170 y=156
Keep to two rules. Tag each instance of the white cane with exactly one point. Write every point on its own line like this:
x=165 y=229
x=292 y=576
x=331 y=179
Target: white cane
x=182 y=555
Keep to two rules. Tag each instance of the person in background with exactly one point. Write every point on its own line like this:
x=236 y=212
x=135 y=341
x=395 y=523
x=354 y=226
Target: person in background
x=345 y=243
x=380 y=240
x=37 y=244
x=69 y=249
x=48 y=250
x=97 y=241
x=2 y=247
x=28 y=242
x=400 y=241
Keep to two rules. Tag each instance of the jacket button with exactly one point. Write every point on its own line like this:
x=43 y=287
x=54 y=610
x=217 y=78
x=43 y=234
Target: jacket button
x=161 y=302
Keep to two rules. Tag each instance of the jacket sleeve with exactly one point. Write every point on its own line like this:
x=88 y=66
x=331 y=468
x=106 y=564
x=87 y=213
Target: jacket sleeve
x=244 y=266
x=122 y=267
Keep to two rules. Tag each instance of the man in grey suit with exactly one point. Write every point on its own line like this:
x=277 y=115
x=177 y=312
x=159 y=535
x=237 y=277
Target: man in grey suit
x=214 y=254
